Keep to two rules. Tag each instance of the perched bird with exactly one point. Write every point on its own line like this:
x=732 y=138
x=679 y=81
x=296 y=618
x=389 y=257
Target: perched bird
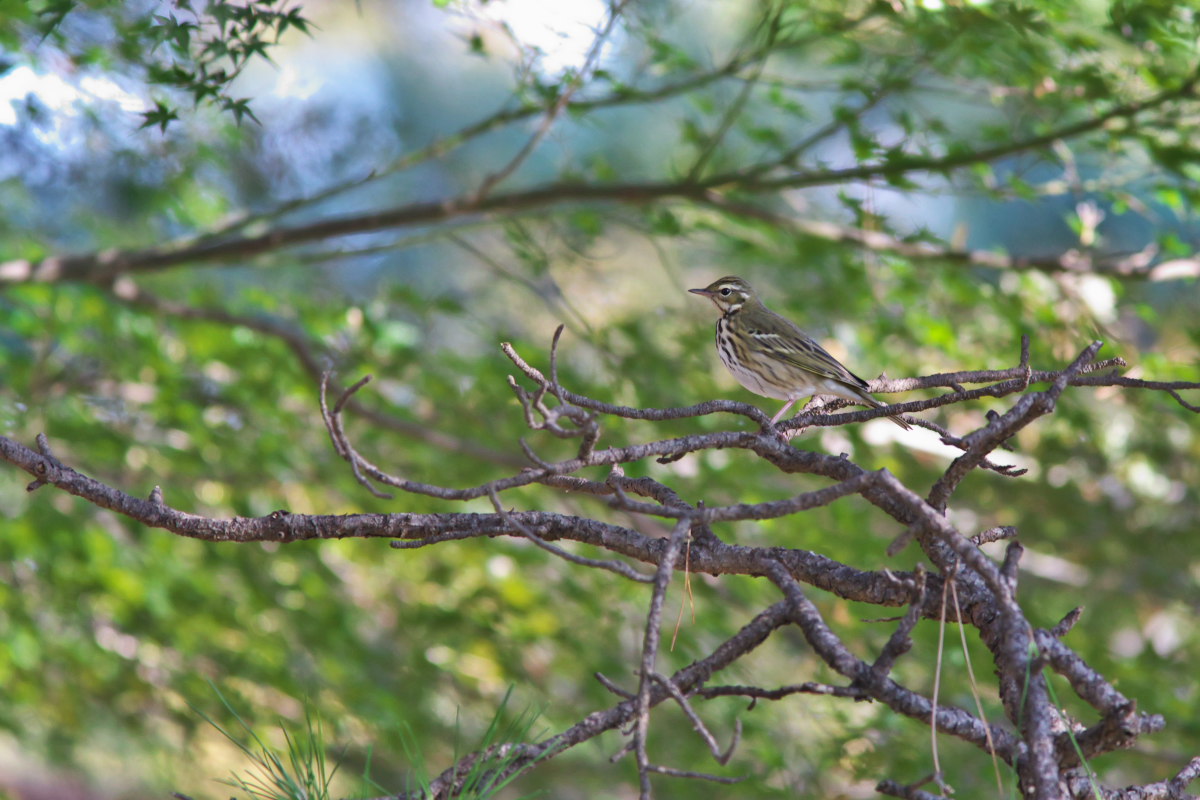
x=771 y=356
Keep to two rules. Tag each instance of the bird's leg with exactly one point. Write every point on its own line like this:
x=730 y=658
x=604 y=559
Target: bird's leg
x=782 y=411
x=787 y=435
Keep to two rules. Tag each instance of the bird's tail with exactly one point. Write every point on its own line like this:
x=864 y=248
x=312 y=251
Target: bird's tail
x=874 y=403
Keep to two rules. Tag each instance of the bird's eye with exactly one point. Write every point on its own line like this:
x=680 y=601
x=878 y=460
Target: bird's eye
x=725 y=292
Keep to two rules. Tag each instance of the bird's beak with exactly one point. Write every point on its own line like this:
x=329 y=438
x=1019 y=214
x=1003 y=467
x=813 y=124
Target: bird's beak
x=703 y=292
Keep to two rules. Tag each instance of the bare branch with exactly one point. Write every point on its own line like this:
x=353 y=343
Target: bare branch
x=954 y=721
x=650 y=641
x=333 y=423
x=1044 y=750
x=612 y=687
x=654 y=414
x=681 y=773
x=721 y=756
x=912 y=792
x=1068 y=622
x=900 y=641
x=995 y=534
x=624 y=570
x=757 y=693
x=1023 y=412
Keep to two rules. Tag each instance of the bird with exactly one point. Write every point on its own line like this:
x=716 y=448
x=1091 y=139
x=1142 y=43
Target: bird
x=772 y=357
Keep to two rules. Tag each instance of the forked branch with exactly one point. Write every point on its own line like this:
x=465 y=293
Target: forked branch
x=1035 y=742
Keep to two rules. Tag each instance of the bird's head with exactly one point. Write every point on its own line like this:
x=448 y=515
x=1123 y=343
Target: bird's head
x=728 y=294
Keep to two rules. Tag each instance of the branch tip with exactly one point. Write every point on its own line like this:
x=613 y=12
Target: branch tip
x=350 y=392
x=1068 y=622
x=604 y=681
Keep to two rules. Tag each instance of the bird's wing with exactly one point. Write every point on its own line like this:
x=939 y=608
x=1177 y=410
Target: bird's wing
x=798 y=349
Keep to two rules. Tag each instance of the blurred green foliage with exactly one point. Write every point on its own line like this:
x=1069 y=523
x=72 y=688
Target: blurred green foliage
x=112 y=630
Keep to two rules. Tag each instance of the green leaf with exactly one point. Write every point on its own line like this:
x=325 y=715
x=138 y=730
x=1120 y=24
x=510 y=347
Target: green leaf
x=161 y=115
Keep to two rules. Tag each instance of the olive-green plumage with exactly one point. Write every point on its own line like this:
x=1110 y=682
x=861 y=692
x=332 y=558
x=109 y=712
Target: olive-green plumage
x=771 y=356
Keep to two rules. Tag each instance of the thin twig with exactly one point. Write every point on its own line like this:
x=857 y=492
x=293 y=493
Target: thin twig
x=721 y=756
x=900 y=641
x=682 y=773
x=572 y=84
x=624 y=570
x=650 y=642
